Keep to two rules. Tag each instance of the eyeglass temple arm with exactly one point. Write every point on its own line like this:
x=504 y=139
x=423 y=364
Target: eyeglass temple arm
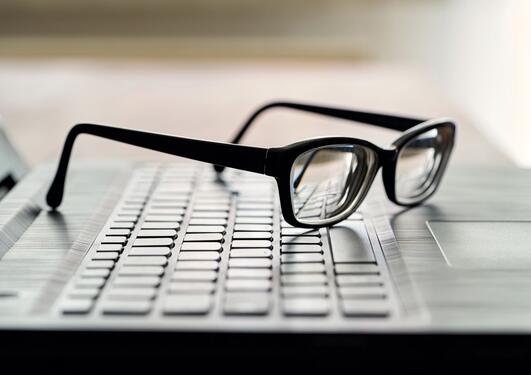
x=247 y=158
x=385 y=121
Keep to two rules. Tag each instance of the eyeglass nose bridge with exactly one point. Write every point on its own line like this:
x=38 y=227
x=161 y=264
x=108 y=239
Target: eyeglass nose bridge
x=388 y=159
x=388 y=156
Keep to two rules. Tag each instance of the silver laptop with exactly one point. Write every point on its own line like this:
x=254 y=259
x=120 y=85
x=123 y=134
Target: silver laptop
x=167 y=247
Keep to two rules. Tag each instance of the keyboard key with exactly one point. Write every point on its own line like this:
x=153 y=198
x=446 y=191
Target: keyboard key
x=154 y=233
x=304 y=291
x=244 y=285
x=165 y=211
x=125 y=307
x=304 y=279
x=197 y=287
x=129 y=205
x=302 y=268
x=205 y=229
x=210 y=214
x=255 y=213
x=252 y=236
x=250 y=263
x=187 y=304
x=141 y=271
x=125 y=218
x=255 y=206
x=163 y=218
x=146 y=261
x=253 y=228
x=309 y=240
x=222 y=222
x=110 y=247
x=299 y=232
x=149 y=251
x=212 y=199
x=93 y=282
x=211 y=207
x=195 y=276
x=122 y=225
x=153 y=242
x=360 y=268
x=351 y=244
x=248 y=199
x=249 y=273
x=302 y=258
x=118 y=232
x=132 y=293
x=132 y=206
x=106 y=256
x=137 y=281
x=102 y=272
x=132 y=201
x=201 y=246
x=365 y=308
x=202 y=237
x=84 y=293
x=199 y=255
x=197 y=265
x=357 y=292
x=246 y=304
x=169 y=195
x=254 y=220
x=77 y=306
x=168 y=203
x=359 y=280
x=114 y=240
x=305 y=306
x=251 y=253
x=108 y=264
x=135 y=200
x=128 y=211
x=251 y=244
x=160 y=225
x=298 y=248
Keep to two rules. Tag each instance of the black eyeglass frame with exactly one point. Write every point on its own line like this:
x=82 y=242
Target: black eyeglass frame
x=281 y=160
x=276 y=162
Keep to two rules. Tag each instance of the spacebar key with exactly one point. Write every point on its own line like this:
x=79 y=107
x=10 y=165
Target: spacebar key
x=113 y=307
x=350 y=243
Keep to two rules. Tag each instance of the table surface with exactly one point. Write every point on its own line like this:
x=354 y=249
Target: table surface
x=41 y=99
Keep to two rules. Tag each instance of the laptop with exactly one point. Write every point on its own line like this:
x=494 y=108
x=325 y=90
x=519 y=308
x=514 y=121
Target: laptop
x=165 y=249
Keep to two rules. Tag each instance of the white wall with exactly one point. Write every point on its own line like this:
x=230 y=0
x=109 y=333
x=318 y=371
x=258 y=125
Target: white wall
x=492 y=76
x=479 y=52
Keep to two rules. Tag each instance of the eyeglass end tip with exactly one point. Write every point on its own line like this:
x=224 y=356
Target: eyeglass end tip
x=53 y=200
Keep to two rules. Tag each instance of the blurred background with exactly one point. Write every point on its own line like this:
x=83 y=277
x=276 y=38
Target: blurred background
x=198 y=67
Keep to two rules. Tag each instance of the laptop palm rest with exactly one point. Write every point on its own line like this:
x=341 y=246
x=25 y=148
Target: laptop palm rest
x=492 y=245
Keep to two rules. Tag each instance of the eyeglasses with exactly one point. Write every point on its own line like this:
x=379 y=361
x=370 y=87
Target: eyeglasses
x=321 y=181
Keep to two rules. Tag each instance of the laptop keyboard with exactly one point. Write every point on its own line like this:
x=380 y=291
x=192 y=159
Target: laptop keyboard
x=182 y=243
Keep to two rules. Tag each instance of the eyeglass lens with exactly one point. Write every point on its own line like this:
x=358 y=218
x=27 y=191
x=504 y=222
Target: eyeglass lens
x=418 y=165
x=329 y=182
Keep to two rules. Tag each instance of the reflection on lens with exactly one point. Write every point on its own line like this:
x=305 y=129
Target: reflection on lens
x=329 y=182
x=419 y=163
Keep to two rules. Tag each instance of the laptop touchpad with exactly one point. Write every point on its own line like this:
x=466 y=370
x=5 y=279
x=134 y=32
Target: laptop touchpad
x=484 y=244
